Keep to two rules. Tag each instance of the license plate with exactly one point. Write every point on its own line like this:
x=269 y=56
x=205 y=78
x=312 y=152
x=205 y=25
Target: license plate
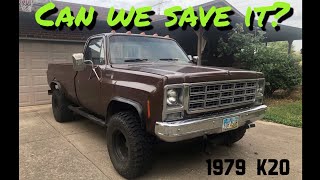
x=230 y=123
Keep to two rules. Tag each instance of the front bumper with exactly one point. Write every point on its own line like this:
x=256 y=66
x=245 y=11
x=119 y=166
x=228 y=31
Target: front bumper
x=191 y=128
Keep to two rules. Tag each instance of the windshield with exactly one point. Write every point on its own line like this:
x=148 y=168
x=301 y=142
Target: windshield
x=132 y=49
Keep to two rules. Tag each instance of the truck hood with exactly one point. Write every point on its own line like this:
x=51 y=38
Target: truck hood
x=189 y=73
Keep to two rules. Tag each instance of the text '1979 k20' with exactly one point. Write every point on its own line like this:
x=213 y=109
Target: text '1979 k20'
x=144 y=88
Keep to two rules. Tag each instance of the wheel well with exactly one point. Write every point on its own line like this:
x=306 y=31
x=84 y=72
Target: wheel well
x=54 y=85
x=117 y=106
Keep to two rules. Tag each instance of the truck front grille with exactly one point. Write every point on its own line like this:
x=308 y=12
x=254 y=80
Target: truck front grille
x=221 y=94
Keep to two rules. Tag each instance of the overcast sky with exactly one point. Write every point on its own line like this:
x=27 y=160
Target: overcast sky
x=241 y=5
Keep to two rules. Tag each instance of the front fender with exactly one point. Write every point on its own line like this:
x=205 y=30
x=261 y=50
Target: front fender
x=138 y=95
x=135 y=104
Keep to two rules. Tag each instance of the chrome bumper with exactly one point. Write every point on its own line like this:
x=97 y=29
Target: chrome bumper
x=191 y=128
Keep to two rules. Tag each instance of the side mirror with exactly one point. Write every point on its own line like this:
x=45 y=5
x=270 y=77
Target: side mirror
x=193 y=59
x=78 y=62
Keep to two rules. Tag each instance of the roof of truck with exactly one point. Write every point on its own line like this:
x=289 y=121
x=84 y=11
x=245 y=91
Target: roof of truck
x=131 y=34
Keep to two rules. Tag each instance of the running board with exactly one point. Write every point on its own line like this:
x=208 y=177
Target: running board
x=91 y=117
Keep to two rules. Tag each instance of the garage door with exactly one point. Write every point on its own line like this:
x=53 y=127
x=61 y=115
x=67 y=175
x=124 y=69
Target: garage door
x=33 y=63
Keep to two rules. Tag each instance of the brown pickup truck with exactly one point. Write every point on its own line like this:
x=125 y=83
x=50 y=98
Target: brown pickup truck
x=145 y=88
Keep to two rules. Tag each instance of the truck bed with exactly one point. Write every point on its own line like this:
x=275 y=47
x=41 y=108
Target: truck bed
x=64 y=74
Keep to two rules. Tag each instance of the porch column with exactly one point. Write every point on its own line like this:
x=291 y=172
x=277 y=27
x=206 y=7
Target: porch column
x=199 y=46
x=290 y=45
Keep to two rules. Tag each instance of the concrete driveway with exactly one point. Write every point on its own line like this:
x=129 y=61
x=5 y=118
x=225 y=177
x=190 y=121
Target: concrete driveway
x=78 y=150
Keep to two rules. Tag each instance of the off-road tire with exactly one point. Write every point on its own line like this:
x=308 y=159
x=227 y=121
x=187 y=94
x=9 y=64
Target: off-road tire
x=60 y=109
x=137 y=144
x=234 y=136
x=227 y=138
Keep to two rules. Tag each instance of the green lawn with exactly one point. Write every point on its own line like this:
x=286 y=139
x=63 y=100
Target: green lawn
x=285 y=110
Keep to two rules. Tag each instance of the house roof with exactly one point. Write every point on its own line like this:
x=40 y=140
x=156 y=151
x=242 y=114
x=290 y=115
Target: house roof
x=28 y=28
x=287 y=33
x=102 y=12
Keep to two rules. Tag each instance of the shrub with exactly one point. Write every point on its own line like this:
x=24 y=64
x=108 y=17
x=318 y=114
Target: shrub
x=281 y=70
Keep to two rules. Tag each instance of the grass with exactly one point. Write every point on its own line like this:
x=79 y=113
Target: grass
x=285 y=108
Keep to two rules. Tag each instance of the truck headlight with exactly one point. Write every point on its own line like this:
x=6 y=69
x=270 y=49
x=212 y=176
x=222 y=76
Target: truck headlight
x=174 y=97
x=260 y=91
x=260 y=87
x=173 y=102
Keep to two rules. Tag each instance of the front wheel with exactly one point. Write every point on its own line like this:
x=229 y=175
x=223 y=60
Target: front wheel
x=234 y=136
x=228 y=138
x=128 y=145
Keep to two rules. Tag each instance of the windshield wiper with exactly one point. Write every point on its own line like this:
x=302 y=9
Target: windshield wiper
x=169 y=59
x=135 y=60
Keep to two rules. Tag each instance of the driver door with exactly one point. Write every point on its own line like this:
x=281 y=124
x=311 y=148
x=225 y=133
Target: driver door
x=88 y=87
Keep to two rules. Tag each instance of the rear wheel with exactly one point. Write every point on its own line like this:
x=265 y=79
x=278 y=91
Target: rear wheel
x=129 y=145
x=60 y=109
